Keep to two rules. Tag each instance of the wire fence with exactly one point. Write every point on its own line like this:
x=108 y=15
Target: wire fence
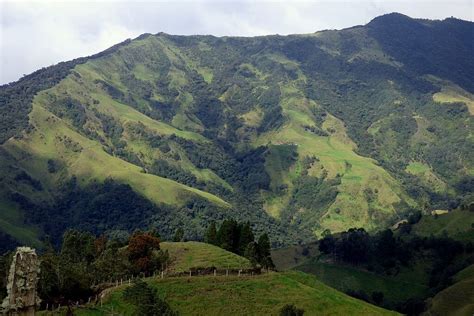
x=104 y=288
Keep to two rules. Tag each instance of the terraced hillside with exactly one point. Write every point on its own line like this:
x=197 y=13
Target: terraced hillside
x=299 y=134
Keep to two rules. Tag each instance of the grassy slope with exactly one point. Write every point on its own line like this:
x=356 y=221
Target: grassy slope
x=451 y=93
x=187 y=255
x=292 y=256
x=456 y=299
x=396 y=289
x=11 y=222
x=457 y=224
x=351 y=208
x=258 y=295
x=34 y=150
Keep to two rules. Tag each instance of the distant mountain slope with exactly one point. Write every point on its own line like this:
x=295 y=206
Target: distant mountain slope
x=298 y=133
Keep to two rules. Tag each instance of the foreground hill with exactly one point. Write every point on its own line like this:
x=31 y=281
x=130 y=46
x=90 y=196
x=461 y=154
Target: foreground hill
x=298 y=134
x=258 y=295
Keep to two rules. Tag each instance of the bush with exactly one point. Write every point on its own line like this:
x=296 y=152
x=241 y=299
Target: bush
x=146 y=300
x=291 y=310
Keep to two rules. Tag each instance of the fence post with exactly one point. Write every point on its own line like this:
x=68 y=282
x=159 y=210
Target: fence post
x=189 y=272
x=227 y=272
x=162 y=274
x=215 y=272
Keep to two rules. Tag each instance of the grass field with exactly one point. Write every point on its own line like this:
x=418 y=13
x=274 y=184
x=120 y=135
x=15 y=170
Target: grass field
x=457 y=224
x=187 y=255
x=11 y=222
x=452 y=93
x=258 y=295
x=343 y=278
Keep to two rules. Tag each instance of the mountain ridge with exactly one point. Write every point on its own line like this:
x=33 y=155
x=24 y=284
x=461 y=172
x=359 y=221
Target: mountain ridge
x=305 y=133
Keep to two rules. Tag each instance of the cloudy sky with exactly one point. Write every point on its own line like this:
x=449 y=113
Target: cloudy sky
x=34 y=34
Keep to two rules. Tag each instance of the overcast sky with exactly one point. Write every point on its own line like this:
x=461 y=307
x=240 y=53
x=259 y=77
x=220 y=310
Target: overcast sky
x=35 y=34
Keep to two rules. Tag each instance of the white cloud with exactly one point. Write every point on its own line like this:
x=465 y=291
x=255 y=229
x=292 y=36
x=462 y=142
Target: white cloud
x=38 y=33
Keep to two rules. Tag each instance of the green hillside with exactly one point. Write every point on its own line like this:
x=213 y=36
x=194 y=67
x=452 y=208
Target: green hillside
x=456 y=299
x=259 y=295
x=406 y=285
x=185 y=256
x=299 y=134
x=457 y=224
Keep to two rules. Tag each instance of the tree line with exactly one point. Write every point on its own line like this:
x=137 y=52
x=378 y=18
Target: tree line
x=239 y=238
x=387 y=253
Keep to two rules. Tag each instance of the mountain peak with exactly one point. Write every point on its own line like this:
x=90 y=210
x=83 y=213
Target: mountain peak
x=391 y=18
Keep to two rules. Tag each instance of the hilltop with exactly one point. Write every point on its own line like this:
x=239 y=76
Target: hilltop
x=263 y=294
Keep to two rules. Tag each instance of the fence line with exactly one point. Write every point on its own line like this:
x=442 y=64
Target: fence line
x=105 y=287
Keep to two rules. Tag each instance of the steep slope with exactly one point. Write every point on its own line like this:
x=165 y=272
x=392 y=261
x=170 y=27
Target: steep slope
x=298 y=134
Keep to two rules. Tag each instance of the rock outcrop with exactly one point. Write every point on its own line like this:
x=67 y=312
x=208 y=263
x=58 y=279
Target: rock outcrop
x=22 y=297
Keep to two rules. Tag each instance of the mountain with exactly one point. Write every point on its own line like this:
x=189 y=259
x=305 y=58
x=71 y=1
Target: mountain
x=297 y=134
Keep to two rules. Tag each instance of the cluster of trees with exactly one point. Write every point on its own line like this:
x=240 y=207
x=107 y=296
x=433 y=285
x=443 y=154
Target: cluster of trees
x=245 y=170
x=165 y=169
x=385 y=251
x=85 y=260
x=239 y=238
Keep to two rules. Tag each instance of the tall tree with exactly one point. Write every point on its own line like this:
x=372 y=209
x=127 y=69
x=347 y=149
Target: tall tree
x=251 y=253
x=245 y=238
x=227 y=235
x=211 y=234
x=179 y=235
x=264 y=248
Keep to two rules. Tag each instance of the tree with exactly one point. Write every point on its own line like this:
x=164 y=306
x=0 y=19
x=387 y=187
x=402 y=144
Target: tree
x=264 y=252
x=227 y=235
x=78 y=246
x=48 y=284
x=143 y=252
x=179 y=235
x=211 y=234
x=291 y=310
x=251 y=253
x=327 y=245
x=245 y=237
x=77 y=254
x=377 y=297
x=146 y=300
